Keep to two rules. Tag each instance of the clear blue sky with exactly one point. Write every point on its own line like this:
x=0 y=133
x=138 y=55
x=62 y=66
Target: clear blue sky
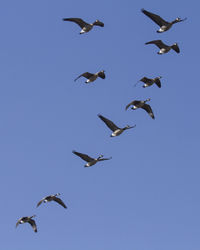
x=147 y=196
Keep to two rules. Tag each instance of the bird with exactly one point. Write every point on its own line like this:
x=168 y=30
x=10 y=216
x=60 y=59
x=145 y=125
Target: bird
x=141 y=104
x=92 y=77
x=28 y=219
x=116 y=130
x=90 y=161
x=164 y=25
x=52 y=198
x=163 y=47
x=86 y=27
x=150 y=81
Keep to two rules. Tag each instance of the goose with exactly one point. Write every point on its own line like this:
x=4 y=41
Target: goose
x=141 y=104
x=164 y=25
x=116 y=130
x=28 y=219
x=163 y=47
x=92 y=77
x=86 y=27
x=90 y=161
x=52 y=198
x=150 y=81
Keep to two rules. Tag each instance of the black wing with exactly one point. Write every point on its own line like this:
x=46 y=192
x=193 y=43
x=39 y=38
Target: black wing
x=102 y=74
x=158 y=43
x=40 y=202
x=98 y=23
x=135 y=102
x=18 y=222
x=148 y=109
x=32 y=223
x=157 y=19
x=86 y=75
x=105 y=159
x=146 y=80
x=83 y=156
x=109 y=123
x=176 y=48
x=78 y=21
x=157 y=82
x=58 y=200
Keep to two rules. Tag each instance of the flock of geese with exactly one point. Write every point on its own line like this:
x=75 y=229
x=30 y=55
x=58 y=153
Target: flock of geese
x=135 y=104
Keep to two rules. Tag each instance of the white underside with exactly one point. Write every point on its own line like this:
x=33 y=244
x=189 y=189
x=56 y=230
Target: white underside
x=117 y=132
x=163 y=51
x=91 y=163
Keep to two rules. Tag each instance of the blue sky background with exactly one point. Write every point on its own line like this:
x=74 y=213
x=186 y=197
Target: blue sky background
x=147 y=196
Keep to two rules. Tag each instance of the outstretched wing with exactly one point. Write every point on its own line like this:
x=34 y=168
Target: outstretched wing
x=109 y=123
x=86 y=75
x=59 y=201
x=78 y=21
x=157 y=82
x=83 y=156
x=102 y=74
x=18 y=222
x=158 y=43
x=135 y=102
x=40 y=202
x=176 y=48
x=145 y=80
x=157 y=19
x=32 y=223
x=148 y=109
x=98 y=23
x=105 y=159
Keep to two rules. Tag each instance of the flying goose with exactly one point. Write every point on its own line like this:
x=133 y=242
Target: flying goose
x=163 y=47
x=141 y=104
x=86 y=27
x=90 y=161
x=164 y=25
x=150 y=81
x=28 y=219
x=116 y=130
x=92 y=77
x=52 y=198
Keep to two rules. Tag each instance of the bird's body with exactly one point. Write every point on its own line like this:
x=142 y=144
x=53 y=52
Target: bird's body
x=163 y=47
x=52 y=198
x=136 y=104
x=150 y=81
x=92 y=77
x=85 y=27
x=164 y=25
x=90 y=161
x=28 y=219
x=116 y=130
